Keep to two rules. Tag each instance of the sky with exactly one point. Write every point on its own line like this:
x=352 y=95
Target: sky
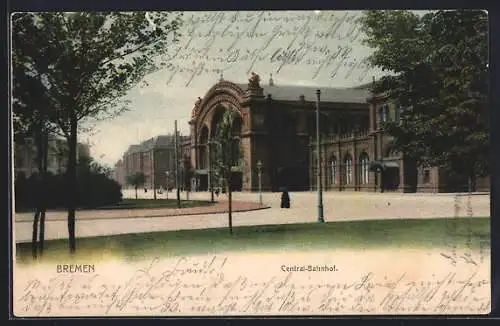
x=315 y=48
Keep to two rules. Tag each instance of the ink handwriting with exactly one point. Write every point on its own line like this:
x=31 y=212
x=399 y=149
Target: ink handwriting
x=208 y=287
x=458 y=233
x=217 y=41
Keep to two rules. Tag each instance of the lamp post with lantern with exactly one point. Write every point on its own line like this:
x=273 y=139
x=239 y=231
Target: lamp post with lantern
x=318 y=166
x=210 y=170
x=259 y=173
x=167 y=173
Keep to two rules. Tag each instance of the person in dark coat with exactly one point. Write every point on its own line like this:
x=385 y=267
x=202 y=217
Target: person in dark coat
x=285 y=199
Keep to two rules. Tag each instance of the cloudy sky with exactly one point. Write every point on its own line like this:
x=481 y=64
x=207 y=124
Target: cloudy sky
x=317 y=48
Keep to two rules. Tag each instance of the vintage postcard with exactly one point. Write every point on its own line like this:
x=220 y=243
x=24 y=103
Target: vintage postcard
x=250 y=163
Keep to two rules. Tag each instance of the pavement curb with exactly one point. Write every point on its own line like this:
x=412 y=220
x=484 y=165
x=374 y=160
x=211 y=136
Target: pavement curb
x=149 y=216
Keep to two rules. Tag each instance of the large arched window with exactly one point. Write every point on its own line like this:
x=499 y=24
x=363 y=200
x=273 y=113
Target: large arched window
x=364 y=171
x=203 y=150
x=383 y=113
x=348 y=169
x=235 y=133
x=332 y=167
x=397 y=113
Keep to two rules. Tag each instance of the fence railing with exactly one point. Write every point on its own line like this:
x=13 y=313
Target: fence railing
x=331 y=138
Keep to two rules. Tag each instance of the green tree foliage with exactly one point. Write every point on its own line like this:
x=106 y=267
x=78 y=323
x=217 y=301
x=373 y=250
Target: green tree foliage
x=95 y=188
x=136 y=180
x=84 y=63
x=187 y=173
x=437 y=66
x=226 y=156
x=31 y=122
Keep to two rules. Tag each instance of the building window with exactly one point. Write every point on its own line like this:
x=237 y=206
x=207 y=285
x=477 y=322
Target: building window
x=383 y=112
x=397 y=113
x=348 y=169
x=203 y=156
x=236 y=149
x=333 y=170
x=427 y=176
x=364 y=168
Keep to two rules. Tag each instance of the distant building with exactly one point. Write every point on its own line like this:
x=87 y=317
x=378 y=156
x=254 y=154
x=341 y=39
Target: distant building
x=155 y=158
x=57 y=157
x=119 y=173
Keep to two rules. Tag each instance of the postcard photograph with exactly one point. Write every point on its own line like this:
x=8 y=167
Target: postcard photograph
x=250 y=163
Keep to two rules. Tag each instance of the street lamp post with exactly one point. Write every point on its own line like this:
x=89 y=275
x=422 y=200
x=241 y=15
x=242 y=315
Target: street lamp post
x=167 y=173
x=153 y=179
x=210 y=171
x=318 y=164
x=259 y=170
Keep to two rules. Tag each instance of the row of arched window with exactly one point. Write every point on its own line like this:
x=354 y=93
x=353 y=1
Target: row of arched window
x=384 y=113
x=363 y=171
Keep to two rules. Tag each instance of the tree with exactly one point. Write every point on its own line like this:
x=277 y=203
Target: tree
x=86 y=62
x=95 y=189
x=136 y=179
x=95 y=185
x=226 y=155
x=187 y=174
x=88 y=165
x=438 y=78
x=31 y=122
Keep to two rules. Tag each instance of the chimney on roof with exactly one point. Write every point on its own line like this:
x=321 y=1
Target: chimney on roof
x=302 y=98
x=271 y=82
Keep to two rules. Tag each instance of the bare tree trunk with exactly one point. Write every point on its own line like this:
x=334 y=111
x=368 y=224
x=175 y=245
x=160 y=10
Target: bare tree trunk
x=35 y=233
x=72 y=184
x=38 y=135
x=176 y=158
x=230 y=203
x=43 y=202
x=42 y=230
x=154 y=173
x=472 y=182
x=135 y=192
x=178 y=198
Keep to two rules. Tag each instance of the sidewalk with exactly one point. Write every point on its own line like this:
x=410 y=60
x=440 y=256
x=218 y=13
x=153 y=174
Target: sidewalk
x=99 y=214
x=337 y=208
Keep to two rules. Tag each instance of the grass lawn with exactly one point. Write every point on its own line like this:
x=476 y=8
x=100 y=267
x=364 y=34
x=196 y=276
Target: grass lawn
x=418 y=233
x=137 y=204
x=158 y=203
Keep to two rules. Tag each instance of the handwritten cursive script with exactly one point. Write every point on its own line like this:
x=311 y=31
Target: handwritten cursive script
x=208 y=287
x=464 y=235
x=322 y=43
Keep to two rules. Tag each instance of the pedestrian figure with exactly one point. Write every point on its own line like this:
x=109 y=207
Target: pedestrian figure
x=217 y=192
x=285 y=199
x=145 y=189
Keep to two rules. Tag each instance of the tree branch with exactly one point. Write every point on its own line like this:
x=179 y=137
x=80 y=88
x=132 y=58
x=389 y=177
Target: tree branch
x=129 y=52
x=122 y=56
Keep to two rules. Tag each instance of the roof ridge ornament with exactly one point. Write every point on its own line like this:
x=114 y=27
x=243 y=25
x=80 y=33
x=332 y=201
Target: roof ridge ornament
x=254 y=88
x=196 y=109
x=254 y=80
